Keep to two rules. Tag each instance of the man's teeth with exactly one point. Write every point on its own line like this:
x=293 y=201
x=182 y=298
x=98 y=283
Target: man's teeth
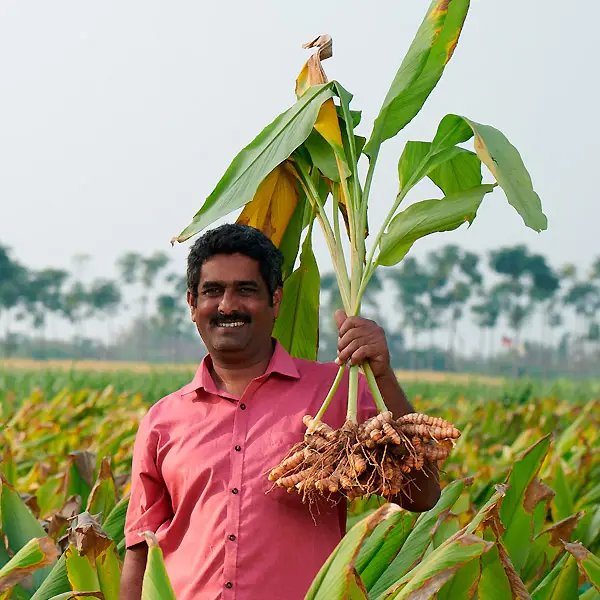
x=234 y=324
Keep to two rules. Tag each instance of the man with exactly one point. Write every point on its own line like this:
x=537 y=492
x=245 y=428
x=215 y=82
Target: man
x=202 y=454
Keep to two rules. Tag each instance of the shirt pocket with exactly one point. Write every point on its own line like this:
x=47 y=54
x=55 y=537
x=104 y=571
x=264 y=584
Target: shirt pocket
x=280 y=444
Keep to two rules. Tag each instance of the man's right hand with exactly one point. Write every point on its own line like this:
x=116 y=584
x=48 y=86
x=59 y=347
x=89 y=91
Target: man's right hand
x=134 y=567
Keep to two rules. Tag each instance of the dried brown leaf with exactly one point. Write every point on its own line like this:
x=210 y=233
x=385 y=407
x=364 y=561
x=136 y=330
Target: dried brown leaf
x=535 y=493
x=87 y=536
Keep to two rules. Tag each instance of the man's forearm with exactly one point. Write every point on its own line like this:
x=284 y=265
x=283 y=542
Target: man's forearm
x=393 y=394
x=133 y=572
x=423 y=491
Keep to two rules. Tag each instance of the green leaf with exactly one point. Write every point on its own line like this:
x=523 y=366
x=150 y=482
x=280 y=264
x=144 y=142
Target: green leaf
x=420 y=70
x=323 y=157
x=80 y=475
x=156 y=584
x=114 y=524
x=562 y=505
x=463 y=583
x=561 y=583
x=383 y=545
x=56 y=583
x=516 y=511
x=19 y=525
x=419 y=539
x=36 y=554
x=270 y=148
x=290 y=243
x=434 y=571
x=81 y=572
x=297 y=326
x=493 y=582
x=501 y=158
x=588 y=564
x=427 y=217
x=461 y=172
x=103 y=497
x=76 y=595
x=337 y=575
x=108 y=567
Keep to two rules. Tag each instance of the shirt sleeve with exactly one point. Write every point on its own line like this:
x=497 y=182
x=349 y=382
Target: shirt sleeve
x=366 y=405
x=149 y=502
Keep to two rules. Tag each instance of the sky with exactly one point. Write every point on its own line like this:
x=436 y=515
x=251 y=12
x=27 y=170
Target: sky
x=117 y=118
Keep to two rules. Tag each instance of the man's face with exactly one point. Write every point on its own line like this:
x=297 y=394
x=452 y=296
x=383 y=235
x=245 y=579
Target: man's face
x=233 y=311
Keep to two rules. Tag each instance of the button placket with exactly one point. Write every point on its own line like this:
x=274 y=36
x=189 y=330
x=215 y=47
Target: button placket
x=236 y=490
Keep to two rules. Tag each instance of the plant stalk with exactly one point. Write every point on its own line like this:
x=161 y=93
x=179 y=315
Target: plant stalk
x=370 y=377
x=351 y=414
x=328 y=398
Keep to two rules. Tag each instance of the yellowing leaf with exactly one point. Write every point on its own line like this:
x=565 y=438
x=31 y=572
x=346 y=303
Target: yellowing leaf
x=312 y=73
x=273 y=204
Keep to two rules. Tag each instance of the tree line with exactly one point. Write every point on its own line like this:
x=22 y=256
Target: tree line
x=508 y=310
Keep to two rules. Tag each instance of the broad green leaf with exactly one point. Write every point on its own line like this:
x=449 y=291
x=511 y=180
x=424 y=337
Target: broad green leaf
x=588 y=564
x=383 y=545
x=569 y=436
x=324 y=158
x=419 y=539
x=493 y=582
x=273 y=204
x=81 y=572
x=49 y=496
x=249 y=168
x=19 y=525
x=76 y=595
x=156 y=584
x=79 y=478
x=114 y=524
x=290 y=242
x=420 y=70
x=297 y=326
x=453 y=169
x=36 y=554
x=56 y=583
x=501 y=158
x=516 y=511
x=434 y=571
x=561 y=583
x=103 y=497
x=427 y=217
x=590 y=594
x=337 y=574
x=108 y=567
x=463 y=584
x=562 y=504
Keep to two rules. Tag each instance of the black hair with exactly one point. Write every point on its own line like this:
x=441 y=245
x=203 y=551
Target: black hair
x=235 y=239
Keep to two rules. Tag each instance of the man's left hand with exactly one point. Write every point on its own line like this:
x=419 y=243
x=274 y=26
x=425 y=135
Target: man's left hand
x=361 y=339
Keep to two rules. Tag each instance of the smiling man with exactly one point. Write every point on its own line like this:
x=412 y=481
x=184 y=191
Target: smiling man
x=202 y=453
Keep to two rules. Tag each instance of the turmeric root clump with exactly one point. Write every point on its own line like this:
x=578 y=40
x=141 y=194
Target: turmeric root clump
x=373 y=458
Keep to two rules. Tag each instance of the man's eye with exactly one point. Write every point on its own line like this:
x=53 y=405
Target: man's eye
x=247 y=290
x=211 y=291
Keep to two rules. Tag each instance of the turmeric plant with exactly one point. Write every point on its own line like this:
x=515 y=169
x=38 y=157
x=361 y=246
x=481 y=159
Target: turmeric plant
x=310 y=156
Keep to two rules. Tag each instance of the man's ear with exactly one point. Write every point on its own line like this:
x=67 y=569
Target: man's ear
x=277 y=298
x=191 y=303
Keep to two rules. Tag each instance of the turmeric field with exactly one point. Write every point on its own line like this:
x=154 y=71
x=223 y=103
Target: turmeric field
x=519 y=515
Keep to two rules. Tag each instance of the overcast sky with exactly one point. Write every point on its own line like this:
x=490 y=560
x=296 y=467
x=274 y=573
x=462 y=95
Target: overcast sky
x=117 y=118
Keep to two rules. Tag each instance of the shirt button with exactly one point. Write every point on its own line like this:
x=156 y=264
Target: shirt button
x=237 y=448
x=229 y=585
x=232 y=537
x=234 y=491
x=243 y=406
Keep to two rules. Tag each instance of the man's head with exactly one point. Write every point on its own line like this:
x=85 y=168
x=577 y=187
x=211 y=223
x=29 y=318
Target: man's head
x=234 y=289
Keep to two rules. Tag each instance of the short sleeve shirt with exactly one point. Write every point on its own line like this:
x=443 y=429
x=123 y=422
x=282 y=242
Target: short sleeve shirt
x=200 y=483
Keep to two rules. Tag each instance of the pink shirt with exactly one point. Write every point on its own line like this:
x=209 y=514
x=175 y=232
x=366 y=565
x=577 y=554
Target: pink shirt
x=199 y=481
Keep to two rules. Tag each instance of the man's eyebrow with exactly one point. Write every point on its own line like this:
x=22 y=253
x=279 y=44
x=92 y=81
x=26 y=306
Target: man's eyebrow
x=249 y=282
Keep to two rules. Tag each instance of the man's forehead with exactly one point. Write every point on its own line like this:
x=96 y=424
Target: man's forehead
x=230 y=268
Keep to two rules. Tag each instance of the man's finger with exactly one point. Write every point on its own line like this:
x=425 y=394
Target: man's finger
x=340 y=316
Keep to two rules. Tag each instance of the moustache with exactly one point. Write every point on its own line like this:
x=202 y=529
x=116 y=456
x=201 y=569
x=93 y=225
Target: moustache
x=233 y=317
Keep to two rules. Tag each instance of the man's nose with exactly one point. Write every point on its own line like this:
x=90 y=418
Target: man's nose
x=228 y=302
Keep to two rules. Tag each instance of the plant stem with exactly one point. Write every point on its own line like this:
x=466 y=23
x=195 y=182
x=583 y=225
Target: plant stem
x=336 y=252
x=328 y=398
x=352 y=394
x=379 y=401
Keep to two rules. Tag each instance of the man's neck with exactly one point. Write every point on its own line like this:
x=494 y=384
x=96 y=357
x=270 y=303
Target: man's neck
x=234 y=377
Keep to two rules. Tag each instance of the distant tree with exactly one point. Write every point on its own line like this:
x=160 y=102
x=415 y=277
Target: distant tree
x=104 y=298
x=13 y=286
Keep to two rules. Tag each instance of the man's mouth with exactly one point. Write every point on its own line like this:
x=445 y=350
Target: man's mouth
x=231 y=324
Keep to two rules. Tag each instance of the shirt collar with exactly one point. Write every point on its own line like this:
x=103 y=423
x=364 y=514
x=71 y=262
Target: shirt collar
x=281 y=363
